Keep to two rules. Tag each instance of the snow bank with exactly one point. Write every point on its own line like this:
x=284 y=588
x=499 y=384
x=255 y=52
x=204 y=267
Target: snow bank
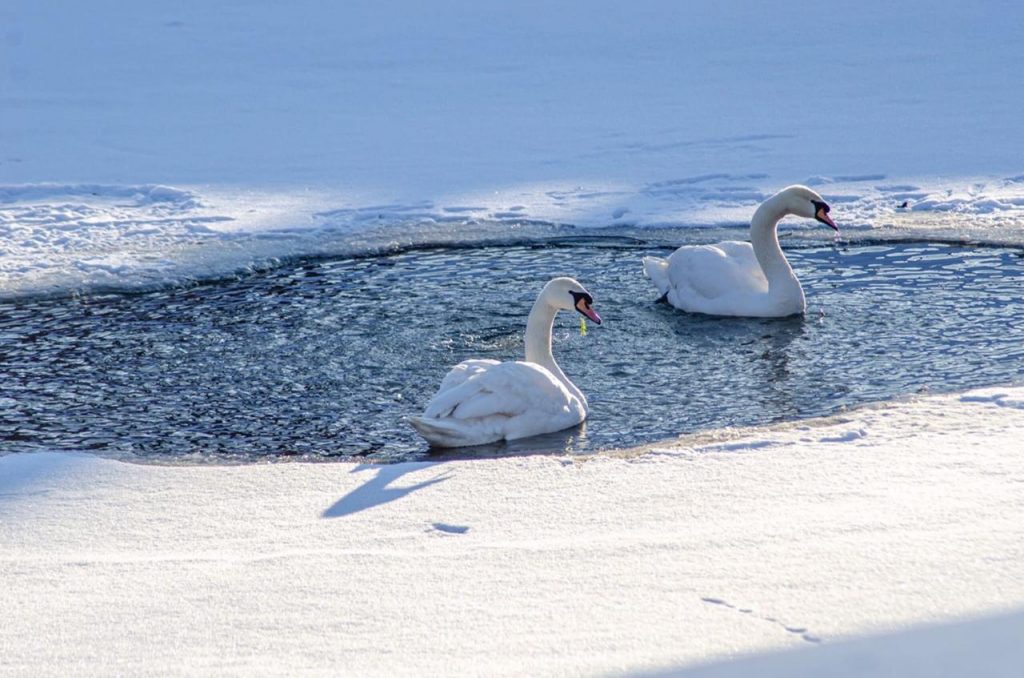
x=150 y=143
x=987 y=647
x=457 y=120
x=59 y=239
x=703 y=551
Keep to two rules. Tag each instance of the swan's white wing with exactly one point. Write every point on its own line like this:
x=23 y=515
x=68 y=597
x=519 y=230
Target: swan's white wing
x=464 y=371
x=492 y=388
x=712 y=271
x=501 y=401
x=742 y=253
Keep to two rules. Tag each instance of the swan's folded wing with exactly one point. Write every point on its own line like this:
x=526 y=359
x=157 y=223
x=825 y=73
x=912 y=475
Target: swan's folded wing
x=502 y=389
x=712 y=271
x=463 y=371
x=742 y=252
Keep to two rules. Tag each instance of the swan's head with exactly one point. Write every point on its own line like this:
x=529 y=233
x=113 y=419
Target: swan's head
x=566 y=294
x=804 y=202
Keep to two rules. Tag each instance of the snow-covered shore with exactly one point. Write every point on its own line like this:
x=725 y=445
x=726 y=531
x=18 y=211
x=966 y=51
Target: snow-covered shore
x=703 y=551
x=147 y=144
x=64 y=238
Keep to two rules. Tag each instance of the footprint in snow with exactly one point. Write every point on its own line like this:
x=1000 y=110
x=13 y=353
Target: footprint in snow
x=847 y=437
x=450 y=529
x=796 y=630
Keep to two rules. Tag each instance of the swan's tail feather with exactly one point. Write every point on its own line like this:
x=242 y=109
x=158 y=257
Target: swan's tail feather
x=443 y=433
x=435 y=434
x=656 y=269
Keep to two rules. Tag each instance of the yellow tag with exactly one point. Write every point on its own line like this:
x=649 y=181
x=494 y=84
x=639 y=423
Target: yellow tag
x=583 y=326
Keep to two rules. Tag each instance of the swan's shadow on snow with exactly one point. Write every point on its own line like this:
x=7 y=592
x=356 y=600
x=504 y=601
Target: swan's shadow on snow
x=377 y=489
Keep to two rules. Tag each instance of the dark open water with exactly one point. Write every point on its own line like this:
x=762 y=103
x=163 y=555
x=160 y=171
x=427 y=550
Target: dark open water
x=325 y=358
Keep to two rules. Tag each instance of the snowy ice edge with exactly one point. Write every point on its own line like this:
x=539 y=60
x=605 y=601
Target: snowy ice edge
x=57 y=239
x=853 y=427
x=864 y=425
x=883 y=519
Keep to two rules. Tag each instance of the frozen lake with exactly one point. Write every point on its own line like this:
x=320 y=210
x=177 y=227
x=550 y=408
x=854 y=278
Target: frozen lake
x=325 y=358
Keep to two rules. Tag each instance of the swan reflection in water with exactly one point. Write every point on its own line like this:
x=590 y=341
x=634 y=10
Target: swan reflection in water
x=758 y=362
x=567 y=441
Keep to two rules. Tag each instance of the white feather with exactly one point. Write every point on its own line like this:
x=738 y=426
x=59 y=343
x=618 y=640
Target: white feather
x=484 y=401
x=738 y=278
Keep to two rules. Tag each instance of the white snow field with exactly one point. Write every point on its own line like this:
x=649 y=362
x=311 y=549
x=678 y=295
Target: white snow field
x=149 y=143
x=902 y=522
x=146 y=143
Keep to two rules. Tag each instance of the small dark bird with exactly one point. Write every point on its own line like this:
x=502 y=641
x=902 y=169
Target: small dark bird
x=903 y=206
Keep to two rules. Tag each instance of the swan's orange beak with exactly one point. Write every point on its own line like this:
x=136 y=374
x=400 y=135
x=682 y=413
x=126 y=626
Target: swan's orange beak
x=582 y=307
x=822 y=216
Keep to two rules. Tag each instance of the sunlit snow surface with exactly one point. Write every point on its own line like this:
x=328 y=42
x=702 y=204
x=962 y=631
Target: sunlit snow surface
x=63 y=239
x=902 y=524
x=145 y=146
x=155 y=143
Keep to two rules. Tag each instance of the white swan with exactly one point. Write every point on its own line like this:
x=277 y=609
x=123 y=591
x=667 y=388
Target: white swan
x=741 y=278
x=484 y=401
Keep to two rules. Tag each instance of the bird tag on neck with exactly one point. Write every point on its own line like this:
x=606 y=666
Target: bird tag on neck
x=583 y=326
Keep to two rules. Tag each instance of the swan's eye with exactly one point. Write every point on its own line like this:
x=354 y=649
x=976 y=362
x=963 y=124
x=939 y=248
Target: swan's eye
x=821 y=211
x=577 y=297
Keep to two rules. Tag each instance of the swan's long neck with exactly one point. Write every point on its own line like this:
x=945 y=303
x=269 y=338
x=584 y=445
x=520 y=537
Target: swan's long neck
x=764 y=238
x=538 y=343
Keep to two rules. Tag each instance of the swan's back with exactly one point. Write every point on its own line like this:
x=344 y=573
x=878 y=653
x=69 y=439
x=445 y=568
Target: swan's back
x=701 y=278
x=484 y=401
x=738 y=278
x=713 y=271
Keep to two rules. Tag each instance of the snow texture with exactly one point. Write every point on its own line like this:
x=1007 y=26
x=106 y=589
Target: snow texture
x=147 y=144
x=151 y=143
x=901 y=525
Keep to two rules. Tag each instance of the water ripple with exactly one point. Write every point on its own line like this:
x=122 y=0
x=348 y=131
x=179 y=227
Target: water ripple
x=326 y=358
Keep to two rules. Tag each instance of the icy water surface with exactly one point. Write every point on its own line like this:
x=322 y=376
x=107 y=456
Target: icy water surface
x=326 y=358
